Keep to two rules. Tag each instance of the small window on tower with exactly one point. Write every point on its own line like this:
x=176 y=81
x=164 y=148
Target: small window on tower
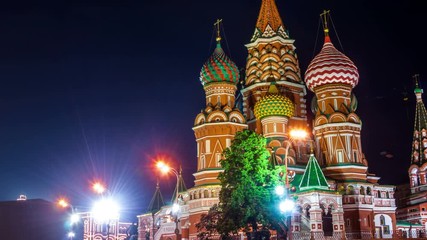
x=355 y=156
x=340 y=156
x=218 y=159
x=423 y=133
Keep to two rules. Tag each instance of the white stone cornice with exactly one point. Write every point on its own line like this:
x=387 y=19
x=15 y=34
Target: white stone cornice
x=343 y=124
x=279 y=83
x=207 y=171
x=277 y=38
x=221 y=123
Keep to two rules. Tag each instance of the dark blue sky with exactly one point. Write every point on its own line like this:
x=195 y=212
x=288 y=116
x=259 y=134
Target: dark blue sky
x=98 y=89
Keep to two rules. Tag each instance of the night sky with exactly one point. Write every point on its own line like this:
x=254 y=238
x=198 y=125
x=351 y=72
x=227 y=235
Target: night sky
x=97 y=90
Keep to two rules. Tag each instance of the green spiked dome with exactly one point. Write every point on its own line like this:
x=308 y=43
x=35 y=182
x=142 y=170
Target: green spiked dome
x=219 y=68
x=274 y=104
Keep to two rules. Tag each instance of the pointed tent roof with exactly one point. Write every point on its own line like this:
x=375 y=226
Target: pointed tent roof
x=269 y=22
x=313 y=178
x=418 y=150
x=269 y=15
x=157 y=201
x=180 y=187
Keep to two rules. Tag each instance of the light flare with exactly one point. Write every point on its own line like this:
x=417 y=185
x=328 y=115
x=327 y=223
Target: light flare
x=298 y=134
x=98 y=187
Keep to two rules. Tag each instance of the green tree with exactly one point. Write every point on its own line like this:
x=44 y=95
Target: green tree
x=246 y=199
x=207 y=226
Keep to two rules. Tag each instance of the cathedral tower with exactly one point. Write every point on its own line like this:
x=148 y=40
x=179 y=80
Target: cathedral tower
x=417 y=171
x=272 y=58
x=332 y=76
x=216 y=125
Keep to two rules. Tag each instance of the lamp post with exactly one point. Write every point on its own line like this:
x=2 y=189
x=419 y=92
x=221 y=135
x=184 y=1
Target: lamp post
x=74 y=217
x=295 y=134
x=164 y=168
x=286 y=204
x=106 y=209
x=71 y=235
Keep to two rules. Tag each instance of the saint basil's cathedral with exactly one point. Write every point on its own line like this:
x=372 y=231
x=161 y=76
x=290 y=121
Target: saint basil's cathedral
x=336 y=196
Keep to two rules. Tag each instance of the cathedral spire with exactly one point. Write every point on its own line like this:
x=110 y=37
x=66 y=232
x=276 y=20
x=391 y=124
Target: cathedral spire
x=156 y=201
x=418 y=91
x=313 y=178
x=419 y=143
x=269 y=15
x=269 y=23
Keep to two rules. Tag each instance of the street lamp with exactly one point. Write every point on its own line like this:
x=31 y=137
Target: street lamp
x=71 y=235
x=74 y=217
x=99 y=188
x=295 y=134
x=164 y=168
x=106 y=209
x=286 y=206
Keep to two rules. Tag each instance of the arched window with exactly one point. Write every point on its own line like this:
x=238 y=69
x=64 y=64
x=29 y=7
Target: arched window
x=206 y=194
x=368 y=191
x=327 y=221
x=382 y=220
x=350 y=190
x=362 y=190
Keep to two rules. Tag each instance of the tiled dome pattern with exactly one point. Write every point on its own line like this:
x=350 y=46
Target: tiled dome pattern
x=331 y=66
x=219 y=68
x=274 y=105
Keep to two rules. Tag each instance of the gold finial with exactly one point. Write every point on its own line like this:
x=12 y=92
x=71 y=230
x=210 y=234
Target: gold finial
x=324 y=17
x=218 y=34
x=311 y=147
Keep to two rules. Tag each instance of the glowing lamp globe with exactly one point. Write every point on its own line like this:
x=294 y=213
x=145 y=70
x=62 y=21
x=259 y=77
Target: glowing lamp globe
x=286 y=206
x=105 y=210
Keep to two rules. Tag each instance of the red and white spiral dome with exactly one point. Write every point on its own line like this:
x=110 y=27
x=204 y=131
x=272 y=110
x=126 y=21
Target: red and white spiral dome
x=331 y=66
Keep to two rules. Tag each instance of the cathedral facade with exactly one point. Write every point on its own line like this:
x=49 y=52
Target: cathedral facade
x=343 y=200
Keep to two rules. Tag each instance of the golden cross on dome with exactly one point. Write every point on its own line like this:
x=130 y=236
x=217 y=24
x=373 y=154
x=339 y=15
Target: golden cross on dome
x=324 y=17
x=218 y=34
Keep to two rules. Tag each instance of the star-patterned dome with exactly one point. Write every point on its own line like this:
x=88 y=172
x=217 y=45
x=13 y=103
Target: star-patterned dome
x=219 y=68
x=274 y=104
x=331 y=66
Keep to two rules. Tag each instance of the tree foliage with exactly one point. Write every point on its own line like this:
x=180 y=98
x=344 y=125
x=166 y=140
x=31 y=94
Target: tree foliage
x=206 y=228
x=247 y=202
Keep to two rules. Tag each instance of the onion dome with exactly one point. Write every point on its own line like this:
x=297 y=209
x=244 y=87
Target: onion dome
x=331 y=66
x=274 y=104
x=219 y=68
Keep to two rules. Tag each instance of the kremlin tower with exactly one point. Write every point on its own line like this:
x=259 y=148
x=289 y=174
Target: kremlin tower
x=332 y=76
x=413 y=197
